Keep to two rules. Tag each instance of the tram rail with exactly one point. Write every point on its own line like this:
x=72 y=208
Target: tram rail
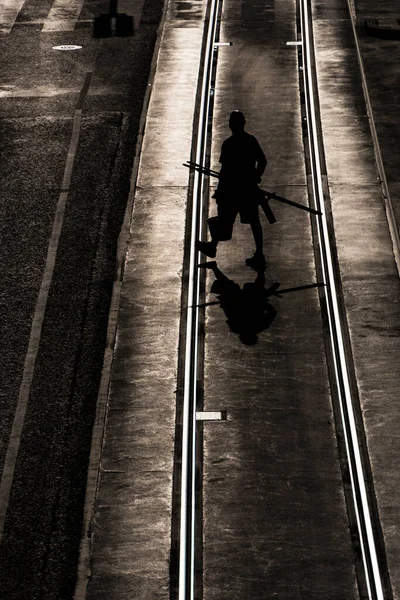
x=336 y=328
x=186 y=561
x=341 y=368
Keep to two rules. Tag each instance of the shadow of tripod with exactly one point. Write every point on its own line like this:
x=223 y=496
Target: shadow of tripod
x=247 y=309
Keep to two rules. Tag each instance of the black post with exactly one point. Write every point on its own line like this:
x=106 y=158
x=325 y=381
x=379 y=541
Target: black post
x=113 y=8
x=113 y=24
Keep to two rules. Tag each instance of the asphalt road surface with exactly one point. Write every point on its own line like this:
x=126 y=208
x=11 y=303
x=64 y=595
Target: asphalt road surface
x=39 y=91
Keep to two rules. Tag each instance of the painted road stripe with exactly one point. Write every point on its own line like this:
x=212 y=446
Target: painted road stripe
x=45 y=91
x=209 y=415
x=41 y=91
x=9 y=10
x=63 y=15
x=37 y=324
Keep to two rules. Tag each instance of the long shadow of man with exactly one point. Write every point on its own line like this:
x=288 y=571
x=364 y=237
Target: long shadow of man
x=248 y=311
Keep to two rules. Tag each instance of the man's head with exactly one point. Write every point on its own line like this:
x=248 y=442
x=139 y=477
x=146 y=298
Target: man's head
x=237 y=121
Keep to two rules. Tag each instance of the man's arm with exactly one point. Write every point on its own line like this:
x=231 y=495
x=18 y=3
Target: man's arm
x=261 y=160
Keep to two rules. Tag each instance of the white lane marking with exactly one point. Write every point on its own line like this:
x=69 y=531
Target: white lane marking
x=41 y=21
x=39 y=91
x=63 y=15
x=45 y=91
x=9 y=10
x=38 y=318
x=208 y=415
x=294 y=43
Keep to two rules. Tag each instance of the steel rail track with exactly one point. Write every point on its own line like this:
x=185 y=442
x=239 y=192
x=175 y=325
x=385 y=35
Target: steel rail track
x=366 y=534
x=186 y=560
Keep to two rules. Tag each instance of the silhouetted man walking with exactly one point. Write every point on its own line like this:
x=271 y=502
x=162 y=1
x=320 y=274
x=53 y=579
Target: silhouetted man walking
x=242 y=164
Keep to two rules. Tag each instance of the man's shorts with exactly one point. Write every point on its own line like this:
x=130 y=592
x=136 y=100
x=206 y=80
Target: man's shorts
x=229 y=209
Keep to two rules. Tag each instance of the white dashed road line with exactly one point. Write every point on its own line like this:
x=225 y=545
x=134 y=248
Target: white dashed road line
x=63 y=15
x=9 y=10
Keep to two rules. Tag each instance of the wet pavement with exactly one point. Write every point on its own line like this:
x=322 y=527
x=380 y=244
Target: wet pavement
x=381 y=58
x=131 y=550
x=274 y=515
x=369 y=274
x=274 y=519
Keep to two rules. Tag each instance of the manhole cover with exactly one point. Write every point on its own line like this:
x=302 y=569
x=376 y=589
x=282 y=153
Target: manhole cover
x=67 y=47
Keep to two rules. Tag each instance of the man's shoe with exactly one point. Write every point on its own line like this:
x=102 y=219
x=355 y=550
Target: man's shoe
x=257 y=261
x=211 y=264
x=207 y=248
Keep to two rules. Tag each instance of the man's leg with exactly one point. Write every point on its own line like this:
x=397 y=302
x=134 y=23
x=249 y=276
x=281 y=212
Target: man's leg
x=207 y=248
x=257 y=261
x=220 y=229
x=257 y=234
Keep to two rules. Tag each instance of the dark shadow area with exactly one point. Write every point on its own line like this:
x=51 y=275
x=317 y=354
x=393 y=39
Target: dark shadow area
x=383 y=27
x=113 y=23
x=247 y=309
x=263 y=198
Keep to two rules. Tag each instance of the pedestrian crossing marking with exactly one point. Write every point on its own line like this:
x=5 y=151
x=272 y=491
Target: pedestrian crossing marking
x=9 y=10
x=63 y=15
